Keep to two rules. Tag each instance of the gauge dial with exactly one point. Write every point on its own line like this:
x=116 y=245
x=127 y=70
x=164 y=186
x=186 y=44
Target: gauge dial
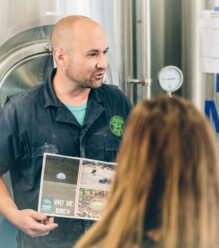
x=170 y=78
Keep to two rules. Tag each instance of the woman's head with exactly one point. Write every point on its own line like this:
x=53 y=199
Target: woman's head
x=167 y=179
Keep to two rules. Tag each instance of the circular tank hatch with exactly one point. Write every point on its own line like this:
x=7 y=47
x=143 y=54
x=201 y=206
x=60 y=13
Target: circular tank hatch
x=27 y=73
x=25 y=61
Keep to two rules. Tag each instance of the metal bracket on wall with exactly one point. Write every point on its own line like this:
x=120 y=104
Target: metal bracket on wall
x=140 y=81
x=145 y=83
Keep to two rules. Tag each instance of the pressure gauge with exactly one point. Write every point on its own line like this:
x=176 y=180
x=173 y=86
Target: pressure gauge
x=170 y=78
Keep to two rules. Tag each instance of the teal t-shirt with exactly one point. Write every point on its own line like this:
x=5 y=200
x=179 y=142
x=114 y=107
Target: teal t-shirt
x=79 y=112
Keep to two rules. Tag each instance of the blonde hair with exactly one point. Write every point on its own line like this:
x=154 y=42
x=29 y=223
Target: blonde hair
x=166 y=180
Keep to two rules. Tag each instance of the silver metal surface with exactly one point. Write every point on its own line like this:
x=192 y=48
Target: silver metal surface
x=151 y=40
x=25 y=74
x=127 y=43
x=146 y=48
x=25 y=60
x=194 y=85
x=18 y=16
x=136 y=74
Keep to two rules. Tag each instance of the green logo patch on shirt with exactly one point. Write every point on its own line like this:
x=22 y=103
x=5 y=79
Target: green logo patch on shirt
x=116 y=125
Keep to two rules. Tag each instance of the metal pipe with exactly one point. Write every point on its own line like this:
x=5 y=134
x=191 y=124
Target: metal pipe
x=139 y=81
x=130 y=61
x=146 y=48
x=127 y=47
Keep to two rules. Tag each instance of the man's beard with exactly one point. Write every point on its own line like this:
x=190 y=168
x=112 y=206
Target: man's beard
x=83 y=84
x=89 y=85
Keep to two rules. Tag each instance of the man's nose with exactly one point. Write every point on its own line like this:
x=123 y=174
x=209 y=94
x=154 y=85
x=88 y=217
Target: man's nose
x=102 y=61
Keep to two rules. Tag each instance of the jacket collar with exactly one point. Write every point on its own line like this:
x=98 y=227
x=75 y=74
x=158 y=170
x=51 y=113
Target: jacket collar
x=50 y=97
x=52 y=100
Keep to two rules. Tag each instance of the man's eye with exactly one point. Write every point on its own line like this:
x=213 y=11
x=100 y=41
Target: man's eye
x=92 y=54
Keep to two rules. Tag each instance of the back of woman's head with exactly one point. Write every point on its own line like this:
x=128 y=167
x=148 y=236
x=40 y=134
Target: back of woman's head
x=168 y=164
x=166 y=180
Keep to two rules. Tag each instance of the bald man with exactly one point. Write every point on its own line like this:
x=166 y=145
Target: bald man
x=72 y=113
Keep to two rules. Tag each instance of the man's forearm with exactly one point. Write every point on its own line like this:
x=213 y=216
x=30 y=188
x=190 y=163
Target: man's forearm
x=7 y=205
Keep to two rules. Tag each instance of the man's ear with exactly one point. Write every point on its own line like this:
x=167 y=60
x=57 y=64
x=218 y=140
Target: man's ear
x=59 y=56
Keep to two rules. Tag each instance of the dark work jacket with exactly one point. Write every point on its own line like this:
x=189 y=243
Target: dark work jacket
x=34 y=122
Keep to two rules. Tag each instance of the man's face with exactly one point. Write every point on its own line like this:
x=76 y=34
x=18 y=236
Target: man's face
x=87 y=57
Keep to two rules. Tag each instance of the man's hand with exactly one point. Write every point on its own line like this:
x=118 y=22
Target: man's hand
x=33 y=223
x=29 y=221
